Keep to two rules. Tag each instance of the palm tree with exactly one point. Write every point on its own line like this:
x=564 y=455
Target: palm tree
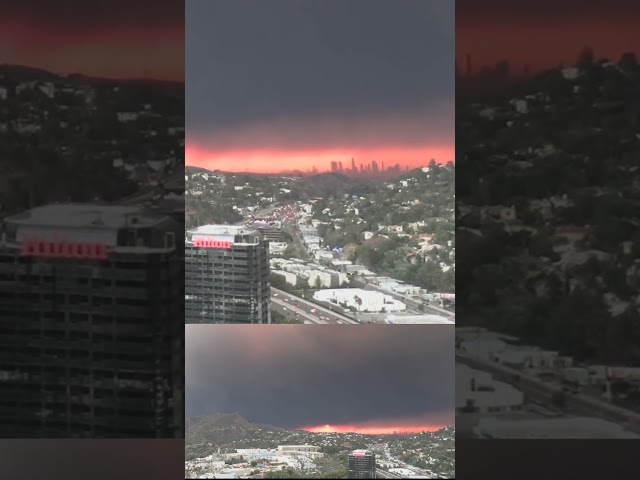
x=358 y=300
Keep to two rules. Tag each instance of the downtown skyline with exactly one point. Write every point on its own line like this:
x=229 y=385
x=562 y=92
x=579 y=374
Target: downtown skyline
x=299 y=84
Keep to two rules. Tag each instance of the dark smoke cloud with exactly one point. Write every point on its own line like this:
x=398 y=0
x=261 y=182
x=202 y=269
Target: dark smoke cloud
x=252 y=64
x=293 y=376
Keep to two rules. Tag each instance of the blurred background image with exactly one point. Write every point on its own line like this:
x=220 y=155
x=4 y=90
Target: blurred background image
x=548 y=208
x=91 y=215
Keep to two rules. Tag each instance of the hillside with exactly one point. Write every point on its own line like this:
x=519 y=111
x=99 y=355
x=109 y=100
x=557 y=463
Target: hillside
x=222 y=428
x=75 y=138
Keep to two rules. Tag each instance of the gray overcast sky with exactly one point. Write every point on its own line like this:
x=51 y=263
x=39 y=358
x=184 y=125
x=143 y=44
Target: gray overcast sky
x=298 y=375
x=265 y=65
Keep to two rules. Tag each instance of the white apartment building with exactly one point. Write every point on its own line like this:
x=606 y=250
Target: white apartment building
x=290 y=278
x=477 y=391
x=319 y=278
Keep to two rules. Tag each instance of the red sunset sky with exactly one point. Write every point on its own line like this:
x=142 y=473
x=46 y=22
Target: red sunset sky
x=540 y=46
x=543 y=34
x=279 y=160
x=113 y=40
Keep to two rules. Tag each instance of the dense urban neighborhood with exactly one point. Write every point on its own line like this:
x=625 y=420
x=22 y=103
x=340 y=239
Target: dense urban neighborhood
x=369 y=250
x=82 y=139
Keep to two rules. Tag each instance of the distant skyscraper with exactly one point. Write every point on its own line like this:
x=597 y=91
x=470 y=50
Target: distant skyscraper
x=361 y=168
x=362 y=464
x=340 y=166
x=382 y=167
x=353 y=165
x=374 y=166
x=227 y=275
x=334 y=166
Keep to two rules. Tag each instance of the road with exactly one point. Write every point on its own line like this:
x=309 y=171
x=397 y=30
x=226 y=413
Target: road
x=300 y=250
x=541 y=391
x=261 y=213
x=304 y=309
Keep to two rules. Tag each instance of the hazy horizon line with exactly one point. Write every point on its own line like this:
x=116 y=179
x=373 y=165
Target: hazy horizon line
x=127 y=78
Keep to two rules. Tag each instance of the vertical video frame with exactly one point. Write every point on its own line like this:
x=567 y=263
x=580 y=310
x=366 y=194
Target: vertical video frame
x=319 y=239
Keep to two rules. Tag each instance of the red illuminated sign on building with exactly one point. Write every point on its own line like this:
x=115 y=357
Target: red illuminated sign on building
x=207 y=243
x=358 y=454
x=64 y=249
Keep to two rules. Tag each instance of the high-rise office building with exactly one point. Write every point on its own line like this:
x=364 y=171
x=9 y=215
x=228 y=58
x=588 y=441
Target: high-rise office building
x=226 y=275
x=91 y=331
x=270 y=231
x=362 y=464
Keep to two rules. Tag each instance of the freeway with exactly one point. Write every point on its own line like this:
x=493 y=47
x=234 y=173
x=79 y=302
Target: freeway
x=287 y=308
x=542 y=391
x=384 y=474
x=301 y=306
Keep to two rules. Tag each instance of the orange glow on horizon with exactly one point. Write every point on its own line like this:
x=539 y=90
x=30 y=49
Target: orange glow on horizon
x=540 y=46
x=372 y=430
x=277 y=161
x=119 y=53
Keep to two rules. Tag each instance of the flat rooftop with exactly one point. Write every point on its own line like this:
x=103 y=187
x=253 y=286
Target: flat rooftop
x=222 y=230
x=85 y=216
x=361 y=452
